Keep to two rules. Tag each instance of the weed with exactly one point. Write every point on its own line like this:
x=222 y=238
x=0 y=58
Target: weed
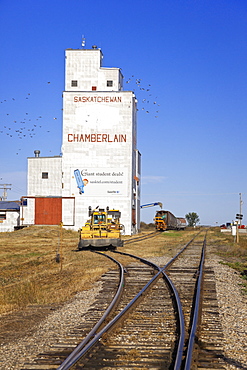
x=172 y=234
x=31 y=275
x=20 y=295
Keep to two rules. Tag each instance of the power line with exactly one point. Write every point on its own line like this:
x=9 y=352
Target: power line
x=16 y=189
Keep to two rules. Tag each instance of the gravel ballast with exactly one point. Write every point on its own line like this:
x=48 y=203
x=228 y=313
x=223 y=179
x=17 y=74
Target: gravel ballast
x=232 y=307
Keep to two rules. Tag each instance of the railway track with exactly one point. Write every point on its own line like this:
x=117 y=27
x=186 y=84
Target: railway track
x=151 y=318
x=136 y=239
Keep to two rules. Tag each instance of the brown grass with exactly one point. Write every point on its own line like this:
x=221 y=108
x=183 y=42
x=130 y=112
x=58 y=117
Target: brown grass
x=226 y=247
x=30 y=273
x=41 y=265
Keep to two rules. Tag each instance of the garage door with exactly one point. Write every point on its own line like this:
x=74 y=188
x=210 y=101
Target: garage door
x=48 y=211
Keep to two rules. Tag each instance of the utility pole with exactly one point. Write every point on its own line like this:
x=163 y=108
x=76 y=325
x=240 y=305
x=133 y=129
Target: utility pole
x=239 y=217
x=5 y=188
x=241 y=202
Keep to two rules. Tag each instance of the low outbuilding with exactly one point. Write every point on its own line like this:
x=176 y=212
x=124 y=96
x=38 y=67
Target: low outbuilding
x=9 y=215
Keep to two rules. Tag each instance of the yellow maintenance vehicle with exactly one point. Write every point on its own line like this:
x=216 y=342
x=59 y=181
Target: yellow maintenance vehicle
x=103 y=229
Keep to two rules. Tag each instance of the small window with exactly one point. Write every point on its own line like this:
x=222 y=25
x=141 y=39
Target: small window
x=24 y=202
x=94 y=88
x=74 y=83
x=109 y=83
x=2 y=216
x=44 y=175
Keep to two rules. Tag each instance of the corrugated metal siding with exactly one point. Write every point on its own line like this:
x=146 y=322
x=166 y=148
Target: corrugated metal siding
x=48 y=211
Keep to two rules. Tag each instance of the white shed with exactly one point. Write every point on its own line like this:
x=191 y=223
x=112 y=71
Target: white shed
x=9 y=215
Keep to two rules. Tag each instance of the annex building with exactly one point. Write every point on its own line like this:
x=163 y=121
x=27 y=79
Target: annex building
x=99 y=150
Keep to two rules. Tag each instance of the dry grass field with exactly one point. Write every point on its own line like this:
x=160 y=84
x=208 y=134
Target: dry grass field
x=41 y=265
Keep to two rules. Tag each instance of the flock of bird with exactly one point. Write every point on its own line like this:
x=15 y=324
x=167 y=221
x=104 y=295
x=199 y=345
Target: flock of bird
x=27 y=126
x=148 y=103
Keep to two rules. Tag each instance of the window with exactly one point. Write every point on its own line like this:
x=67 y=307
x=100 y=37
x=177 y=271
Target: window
x=109 y=83
x=94 y=88
x=44 y=175
x=2 y=216
x=24 y=202
x=99 y=219
x=74 y=83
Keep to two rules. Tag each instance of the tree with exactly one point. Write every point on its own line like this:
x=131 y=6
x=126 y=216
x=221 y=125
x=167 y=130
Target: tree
x=192 y=218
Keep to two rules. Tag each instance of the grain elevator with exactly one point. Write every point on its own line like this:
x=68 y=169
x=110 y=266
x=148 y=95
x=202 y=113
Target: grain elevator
x=99 y=149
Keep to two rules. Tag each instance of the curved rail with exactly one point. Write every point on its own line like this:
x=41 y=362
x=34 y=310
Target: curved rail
x=177 y=302
x=97 y=337
x=181 y=341
x=70 y=359
x=93 y=337
x=189 y=354
x=140 y=238
x=147 y=262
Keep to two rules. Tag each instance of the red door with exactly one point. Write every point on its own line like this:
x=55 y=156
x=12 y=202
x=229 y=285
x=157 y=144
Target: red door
x=48 y=211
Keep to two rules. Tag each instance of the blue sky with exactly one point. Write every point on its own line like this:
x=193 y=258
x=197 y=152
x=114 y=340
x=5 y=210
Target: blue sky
x=190 y=55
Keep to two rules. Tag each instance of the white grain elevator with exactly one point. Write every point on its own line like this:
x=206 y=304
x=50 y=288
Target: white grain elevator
x=99 y=140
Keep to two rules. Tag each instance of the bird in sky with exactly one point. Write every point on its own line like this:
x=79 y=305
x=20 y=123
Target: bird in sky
x=19 y=132
x=142 y=91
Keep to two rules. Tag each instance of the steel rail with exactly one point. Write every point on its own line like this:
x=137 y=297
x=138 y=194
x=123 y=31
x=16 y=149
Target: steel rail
x=153 y=264
x=140 y=238
x=178 y=304
x=67 y=362
x=147 y=262
x=92 y=339
x=86 y=344
x=181 y=251
x=108 y=326
x=181 y=341
x=192 y=336
x=177 y=301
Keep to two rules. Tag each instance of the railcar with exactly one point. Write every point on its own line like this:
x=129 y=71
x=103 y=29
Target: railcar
x=165 y=220
x=182 y=224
